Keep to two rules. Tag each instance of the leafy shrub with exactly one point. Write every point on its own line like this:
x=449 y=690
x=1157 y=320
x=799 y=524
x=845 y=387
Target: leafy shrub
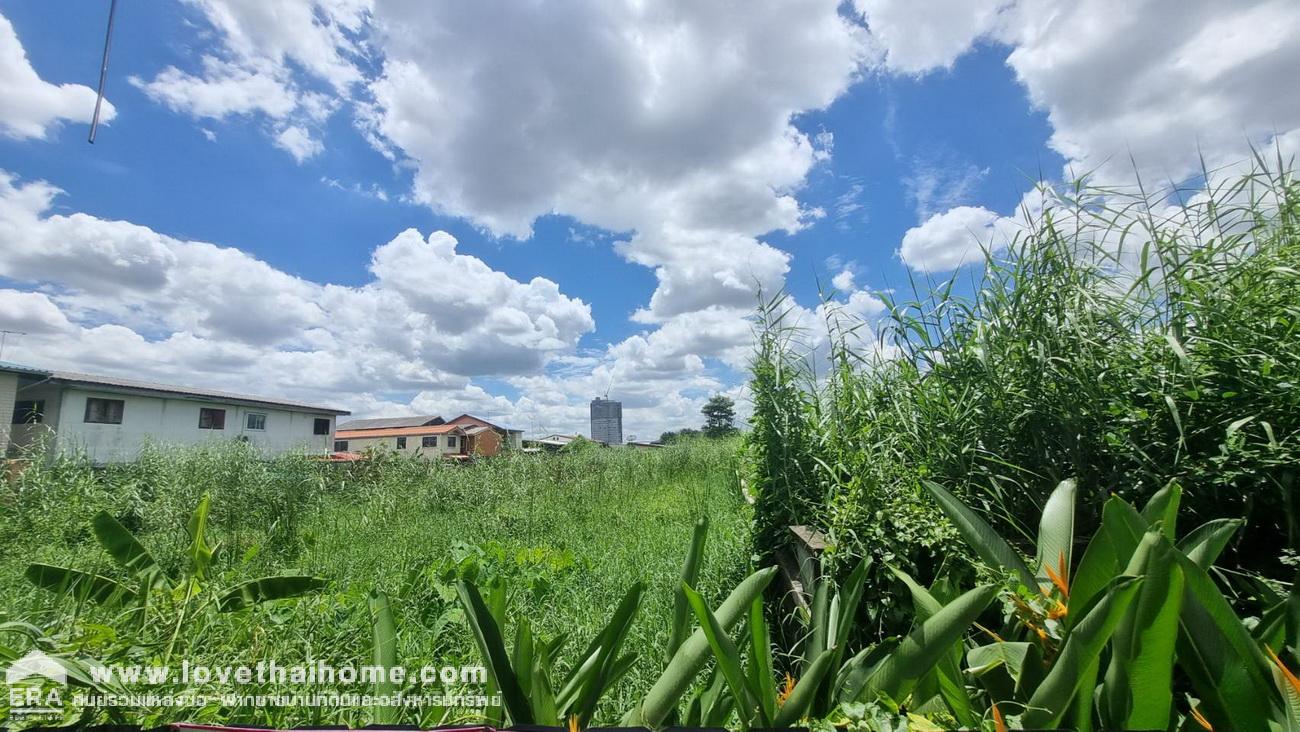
x=1121 y=339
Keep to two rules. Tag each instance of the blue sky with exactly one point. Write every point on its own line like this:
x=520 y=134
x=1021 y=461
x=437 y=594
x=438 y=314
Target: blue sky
x=651 y=167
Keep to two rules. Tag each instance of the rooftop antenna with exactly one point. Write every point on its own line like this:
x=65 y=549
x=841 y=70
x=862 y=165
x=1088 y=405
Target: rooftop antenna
x=4 y=336
x=103 y=70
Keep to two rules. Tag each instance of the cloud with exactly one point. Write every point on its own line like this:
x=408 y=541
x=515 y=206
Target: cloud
x=119 y=297
x=672 y=122
x=950 y=239
x=1157 y=84
x=298 y=142
x=916 y=37
x=31 y=107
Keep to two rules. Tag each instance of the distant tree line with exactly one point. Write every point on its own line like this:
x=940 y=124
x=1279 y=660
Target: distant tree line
x=719 y=421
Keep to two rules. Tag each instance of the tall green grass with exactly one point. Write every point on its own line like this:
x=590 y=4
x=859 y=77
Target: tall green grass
x=1123 y=339
x=568 y=533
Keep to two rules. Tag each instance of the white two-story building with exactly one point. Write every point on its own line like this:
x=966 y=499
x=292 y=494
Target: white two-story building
x=110 y=419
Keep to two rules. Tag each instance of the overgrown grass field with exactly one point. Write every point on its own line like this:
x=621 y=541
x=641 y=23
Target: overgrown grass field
x=568 y=533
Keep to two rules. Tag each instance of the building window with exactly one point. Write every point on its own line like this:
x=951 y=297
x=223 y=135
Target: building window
x=212 y=419
x=104 y=411
x=30 y=411
x=451 y=440
x=255 y=421
x=321 y=427
x=340 y=446
x=430 y=441
x=401 y=443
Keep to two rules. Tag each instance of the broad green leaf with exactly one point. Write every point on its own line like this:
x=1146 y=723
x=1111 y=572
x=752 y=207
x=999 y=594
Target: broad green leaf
x=522 y=657
x=199 y=553
x=948 y=676
x=662 y=698
x=384 y=630
x=607 y=644
x=1226 y=667
x=1207 y=541
x=126 y=550
x=727 y=657
x=1107 y=554
x=922 y=648
x=264 y=589
x=1010 y=655
x=1139 y=680
x=1288 y=687
x=681 y=626
x=805 y=691
x=981 y=537
x=487 y=635
x=1051 y=700
x=1163 y=508
x=78 y=584
x=1056 y=535
x=761 y=675
x=818 y=630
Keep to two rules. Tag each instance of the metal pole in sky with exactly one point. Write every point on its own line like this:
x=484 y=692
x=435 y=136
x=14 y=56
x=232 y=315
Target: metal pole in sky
x=103 y=70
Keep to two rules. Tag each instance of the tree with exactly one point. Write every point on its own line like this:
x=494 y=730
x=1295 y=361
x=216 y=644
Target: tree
x=672 y=436
x=719 y=416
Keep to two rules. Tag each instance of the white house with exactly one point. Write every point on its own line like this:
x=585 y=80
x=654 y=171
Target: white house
x=110 y=419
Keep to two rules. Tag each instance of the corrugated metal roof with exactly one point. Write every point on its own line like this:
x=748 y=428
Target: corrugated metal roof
x=18 y=368
x=113 y=382
x=386 y=422
x=432 y=429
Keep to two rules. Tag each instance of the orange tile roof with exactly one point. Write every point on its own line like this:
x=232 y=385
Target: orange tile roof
x=432 y=429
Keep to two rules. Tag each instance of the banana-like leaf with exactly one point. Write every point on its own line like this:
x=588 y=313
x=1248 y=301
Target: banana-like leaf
x=1002 y=654
x=981 y=537
x=1107 y=555
x=199 y=553
x=384 y=629
x=805 y=691
x=126 y=550
x=761 y=675
x=1076 y=666
x=1289 y=687
x=727 y=657
x=662 y=698
x=1056 y=535
x=818 y=623
x=681 y=626
x=1139 y=682
x=265 y=589
x=948 y=677
x=1226 y=667
x=541 y=692
x=1163 y=509
x=487 y=635
x=898 y=672
x=606 y=652
x=1206 y=542
x=78 y=584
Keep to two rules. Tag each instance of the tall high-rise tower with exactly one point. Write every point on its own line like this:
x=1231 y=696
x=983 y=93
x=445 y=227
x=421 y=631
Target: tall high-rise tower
x=607 y=421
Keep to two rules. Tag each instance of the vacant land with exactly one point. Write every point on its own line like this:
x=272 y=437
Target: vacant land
x=568 y=533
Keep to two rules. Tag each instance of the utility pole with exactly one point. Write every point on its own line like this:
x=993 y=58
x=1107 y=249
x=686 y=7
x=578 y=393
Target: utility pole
x=4 y=336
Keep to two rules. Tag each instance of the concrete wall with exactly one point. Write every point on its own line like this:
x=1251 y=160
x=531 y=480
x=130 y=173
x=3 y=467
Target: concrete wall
x=413 y=445
x=8 y=390
x=166 y=421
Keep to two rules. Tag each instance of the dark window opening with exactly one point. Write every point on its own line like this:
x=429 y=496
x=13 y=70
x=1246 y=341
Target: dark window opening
x=340 y=446
x=104 y=411
x=255 y=421
x=212 y=419
x=430 y=441
x=30 y=411
x=321 y=426
x=401 y=443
